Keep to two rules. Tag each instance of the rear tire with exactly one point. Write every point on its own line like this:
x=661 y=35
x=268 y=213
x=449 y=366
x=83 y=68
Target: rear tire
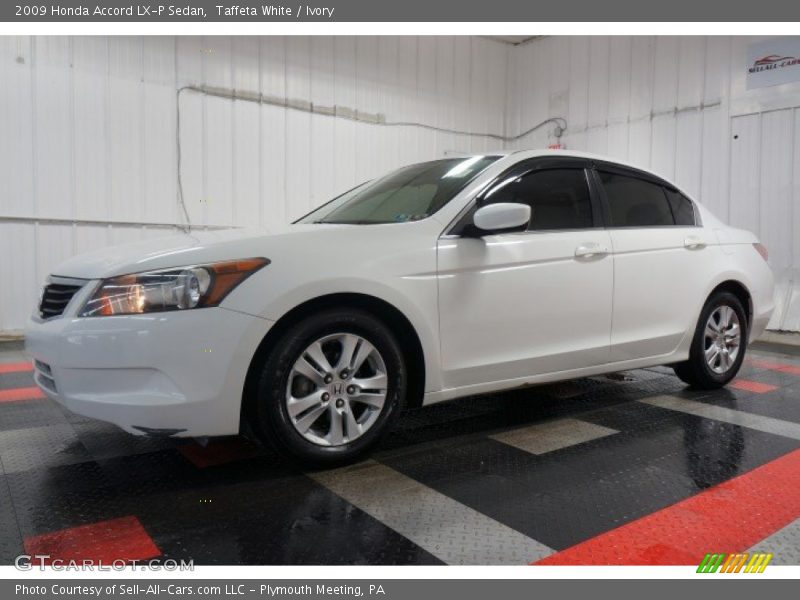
x=333 y=384
x=718 y=345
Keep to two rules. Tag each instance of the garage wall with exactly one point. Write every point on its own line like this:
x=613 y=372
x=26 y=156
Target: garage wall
x=88 y=133
x=679 y=106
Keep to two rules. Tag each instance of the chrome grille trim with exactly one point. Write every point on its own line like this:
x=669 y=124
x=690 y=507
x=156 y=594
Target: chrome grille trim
x=57 y=294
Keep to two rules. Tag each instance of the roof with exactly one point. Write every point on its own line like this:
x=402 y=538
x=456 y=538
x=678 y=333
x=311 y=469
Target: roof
x=586 y=155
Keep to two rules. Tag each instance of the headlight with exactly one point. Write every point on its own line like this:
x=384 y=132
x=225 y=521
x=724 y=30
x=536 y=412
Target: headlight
x=195 y=286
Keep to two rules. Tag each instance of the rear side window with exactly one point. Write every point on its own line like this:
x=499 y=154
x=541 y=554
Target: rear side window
x=682 y=208
x=636 y=203
x=559 y=198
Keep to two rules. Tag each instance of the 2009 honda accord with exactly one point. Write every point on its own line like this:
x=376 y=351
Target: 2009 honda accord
x=442 y=279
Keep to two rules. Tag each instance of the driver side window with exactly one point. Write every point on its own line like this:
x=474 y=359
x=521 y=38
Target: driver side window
x=559 y=198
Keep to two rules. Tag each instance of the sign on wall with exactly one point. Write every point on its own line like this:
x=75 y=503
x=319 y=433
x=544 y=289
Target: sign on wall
x=773 y=62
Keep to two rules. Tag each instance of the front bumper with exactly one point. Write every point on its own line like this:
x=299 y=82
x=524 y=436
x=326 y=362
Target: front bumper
x=173 y=373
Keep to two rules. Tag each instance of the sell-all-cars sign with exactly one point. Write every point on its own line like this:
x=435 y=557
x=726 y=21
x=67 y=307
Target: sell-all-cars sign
x=773 y=62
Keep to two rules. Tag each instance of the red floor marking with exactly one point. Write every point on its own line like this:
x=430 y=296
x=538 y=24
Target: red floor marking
x=15 y=367
x=752 y=386
x=106 y=541
x=729 y=517
x=17 y=394
x=773 y=366
x=218 y=452
x=788 y=369
x=765 y=364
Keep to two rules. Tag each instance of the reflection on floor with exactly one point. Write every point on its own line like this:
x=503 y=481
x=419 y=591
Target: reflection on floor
x=605 y=470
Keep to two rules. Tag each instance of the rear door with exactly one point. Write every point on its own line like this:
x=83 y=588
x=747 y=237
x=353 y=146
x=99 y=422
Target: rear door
x=663 y=261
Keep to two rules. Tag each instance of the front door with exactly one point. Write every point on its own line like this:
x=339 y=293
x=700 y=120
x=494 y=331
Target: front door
x=514 y=305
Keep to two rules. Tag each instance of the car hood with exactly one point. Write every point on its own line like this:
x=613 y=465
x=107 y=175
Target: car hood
x=202 y=247
x=196 y=247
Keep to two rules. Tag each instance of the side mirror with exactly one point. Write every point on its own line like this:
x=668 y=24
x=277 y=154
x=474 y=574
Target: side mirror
x=502 y=217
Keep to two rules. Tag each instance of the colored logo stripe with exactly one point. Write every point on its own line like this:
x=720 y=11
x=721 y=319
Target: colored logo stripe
x=719 y=516
x=710 y=563
x=733 y=563
x=758 y=563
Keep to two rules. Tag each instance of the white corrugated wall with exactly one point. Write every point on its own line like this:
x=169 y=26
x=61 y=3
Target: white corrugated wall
x=88 y=125
x=678 y=105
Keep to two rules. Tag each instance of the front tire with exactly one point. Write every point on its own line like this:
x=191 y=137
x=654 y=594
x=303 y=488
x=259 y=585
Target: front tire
x=331 y=387
x=718 y=345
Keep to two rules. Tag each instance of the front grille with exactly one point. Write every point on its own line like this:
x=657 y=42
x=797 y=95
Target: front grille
x=55 y=298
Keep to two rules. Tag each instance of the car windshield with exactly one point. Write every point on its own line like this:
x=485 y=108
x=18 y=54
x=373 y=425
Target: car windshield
x=408 y=194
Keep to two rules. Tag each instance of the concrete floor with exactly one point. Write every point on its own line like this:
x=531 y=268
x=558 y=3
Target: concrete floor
x=629 y=469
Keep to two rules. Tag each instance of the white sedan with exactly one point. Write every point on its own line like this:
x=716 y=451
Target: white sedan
x=442 y=279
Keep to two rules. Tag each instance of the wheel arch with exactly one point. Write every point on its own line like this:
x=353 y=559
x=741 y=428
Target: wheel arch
x=391 y=316
x=738 y=289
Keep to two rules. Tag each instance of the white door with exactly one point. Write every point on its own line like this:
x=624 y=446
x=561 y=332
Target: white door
x=513 y=305
x=662 y=265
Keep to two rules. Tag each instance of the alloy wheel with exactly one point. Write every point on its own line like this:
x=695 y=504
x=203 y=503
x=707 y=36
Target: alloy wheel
x=722 y=339
x=336 y=389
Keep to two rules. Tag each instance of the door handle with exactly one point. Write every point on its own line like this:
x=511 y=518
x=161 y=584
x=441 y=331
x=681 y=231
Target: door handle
x=694 y=242
x=590 y=251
